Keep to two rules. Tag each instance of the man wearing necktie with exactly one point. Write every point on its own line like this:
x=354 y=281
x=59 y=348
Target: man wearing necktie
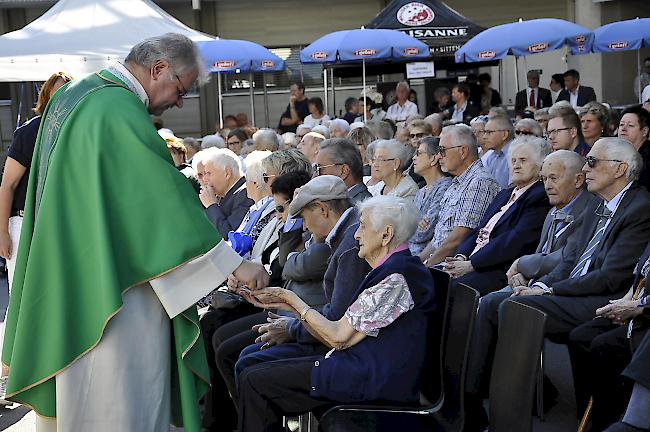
x=533 y=96
x=599 y=266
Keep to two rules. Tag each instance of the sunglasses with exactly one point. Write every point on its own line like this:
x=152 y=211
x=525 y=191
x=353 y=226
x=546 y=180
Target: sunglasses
x=521 y=132
x=280 y=208
x=417 y=135
x=443 y=150
x=266 y=177
x=318 y=168
x=233 y=143
x=592 y=161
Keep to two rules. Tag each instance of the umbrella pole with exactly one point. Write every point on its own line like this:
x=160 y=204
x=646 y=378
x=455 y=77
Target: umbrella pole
x=266 y=102
x=363 y=71
x=516 y=74
x=325 y=91
x=220 y=100
x=638 y=71
x=333 y=93
x=252 y=94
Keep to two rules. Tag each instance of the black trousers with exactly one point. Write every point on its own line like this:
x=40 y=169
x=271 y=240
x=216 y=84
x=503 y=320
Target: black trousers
x=270 y=390
x=638 y=369
x=483 y=282
x=600 y=351
x=210 y=322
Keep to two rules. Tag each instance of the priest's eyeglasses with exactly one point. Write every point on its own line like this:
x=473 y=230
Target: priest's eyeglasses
x=184 y=92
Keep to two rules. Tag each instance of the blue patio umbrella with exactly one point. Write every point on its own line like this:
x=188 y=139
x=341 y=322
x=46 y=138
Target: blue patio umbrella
x=364 y=45
x=623 y=36
x=525 y=38
x=234 y=56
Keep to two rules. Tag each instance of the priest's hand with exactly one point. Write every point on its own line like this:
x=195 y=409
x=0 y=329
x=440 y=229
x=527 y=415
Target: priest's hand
x=251 y=274
x=207 y=196
x=5 y=245
x=273 y=333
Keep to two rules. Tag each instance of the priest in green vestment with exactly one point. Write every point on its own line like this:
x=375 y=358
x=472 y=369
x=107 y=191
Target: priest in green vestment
x=102 y=332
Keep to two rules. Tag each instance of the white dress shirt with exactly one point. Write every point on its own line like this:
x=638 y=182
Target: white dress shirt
x=399 y=114
x=574 y=97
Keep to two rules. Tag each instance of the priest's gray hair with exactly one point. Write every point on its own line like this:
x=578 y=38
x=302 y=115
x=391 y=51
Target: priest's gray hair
x=222 y=158
x=397 y=150
x=266 y=139
x=387 y=210
x=539 y=146
x=571 y=161
x=462 y=135
x=623 y=150
x=176 y=49
x=254 y=167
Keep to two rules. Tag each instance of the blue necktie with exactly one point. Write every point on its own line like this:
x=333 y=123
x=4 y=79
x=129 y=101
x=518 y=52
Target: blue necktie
x=593 y=243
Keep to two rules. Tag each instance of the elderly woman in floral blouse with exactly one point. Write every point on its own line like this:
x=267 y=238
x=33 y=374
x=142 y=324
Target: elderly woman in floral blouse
x=377 y=348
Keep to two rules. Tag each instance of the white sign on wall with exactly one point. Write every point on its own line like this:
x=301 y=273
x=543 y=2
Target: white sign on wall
x=420 y=70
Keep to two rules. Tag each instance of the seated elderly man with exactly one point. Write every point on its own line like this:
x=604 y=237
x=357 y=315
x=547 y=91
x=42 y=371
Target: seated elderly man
x=511 y=225
x=310 y=144
x=389 y=165
x=377 y=346
x=224 y=193
x=435 y=120
x=328 y=214
x=464 y=203
x=339 y=128
x=528 y=127
x=266 y=139
x=498 y=134
x=340 y=157
x=614 y=233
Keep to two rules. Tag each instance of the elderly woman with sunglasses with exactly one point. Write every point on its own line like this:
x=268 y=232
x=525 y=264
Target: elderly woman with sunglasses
x=390 y=164
x=426 y=163
x=378 y=346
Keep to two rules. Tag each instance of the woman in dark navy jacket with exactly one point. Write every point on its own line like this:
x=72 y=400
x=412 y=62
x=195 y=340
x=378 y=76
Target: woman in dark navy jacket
x=378 y=347
x=511 y=225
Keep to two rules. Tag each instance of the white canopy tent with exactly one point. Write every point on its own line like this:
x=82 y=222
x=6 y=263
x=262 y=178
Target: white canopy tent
x=83 y=36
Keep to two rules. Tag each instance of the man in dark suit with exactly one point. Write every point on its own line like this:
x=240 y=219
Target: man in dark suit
x=532 y=96
x=341 y=157
x=463 y=110
x=510 y=226
x=223 y=192
x=614 y=232
x=573 y=92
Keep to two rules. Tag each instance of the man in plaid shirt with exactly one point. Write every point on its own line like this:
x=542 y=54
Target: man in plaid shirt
x=471 y=192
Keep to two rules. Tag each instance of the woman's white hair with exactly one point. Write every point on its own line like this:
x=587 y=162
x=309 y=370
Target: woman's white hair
x=254 y=168
x=621 y=149
x=222 y=158
x=397 y=150
x=539 y=146
x=213 y=140
x=531 y=124
x=386 y=210
x=340 y=124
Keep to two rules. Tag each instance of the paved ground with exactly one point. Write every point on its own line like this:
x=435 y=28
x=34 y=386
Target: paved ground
x=560 y=419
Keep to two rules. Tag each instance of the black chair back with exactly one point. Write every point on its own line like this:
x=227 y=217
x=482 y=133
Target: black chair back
x=457 y=331
x=431 y=377
x=512 y=385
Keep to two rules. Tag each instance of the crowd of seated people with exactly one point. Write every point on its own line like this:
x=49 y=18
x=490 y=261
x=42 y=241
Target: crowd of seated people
x=548 y=208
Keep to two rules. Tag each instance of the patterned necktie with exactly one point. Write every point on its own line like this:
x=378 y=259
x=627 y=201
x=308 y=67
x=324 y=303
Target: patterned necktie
x=593 y=243
x=558 y=217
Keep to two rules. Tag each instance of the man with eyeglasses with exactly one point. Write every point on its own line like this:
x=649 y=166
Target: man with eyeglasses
x=497 y=136
x=309 y=145
x=565 y=133
x=127 y=252
x=340 y=157
x=464 y=203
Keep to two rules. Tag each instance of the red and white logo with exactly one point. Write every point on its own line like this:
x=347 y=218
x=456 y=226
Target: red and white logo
x=365 y=52
x=581 y=39
x=224 y=64
x=538 y=47
x=415 y=14
x=617 y=45
x=268 y=64
x=319 y=55
x=487 y=54
x=411 y=51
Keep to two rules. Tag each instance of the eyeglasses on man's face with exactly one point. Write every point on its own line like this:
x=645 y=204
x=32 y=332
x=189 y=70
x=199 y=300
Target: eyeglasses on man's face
x=183 y=91
x=593 y=161
x=551 y=132
x=266 y=177
x=443 y=150
x=318 y=168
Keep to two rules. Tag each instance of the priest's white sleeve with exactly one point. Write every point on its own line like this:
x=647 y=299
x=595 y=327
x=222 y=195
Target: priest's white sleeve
x=181 y=288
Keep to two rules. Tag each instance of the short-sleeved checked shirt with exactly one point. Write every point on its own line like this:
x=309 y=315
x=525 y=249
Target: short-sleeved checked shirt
x=465 y=201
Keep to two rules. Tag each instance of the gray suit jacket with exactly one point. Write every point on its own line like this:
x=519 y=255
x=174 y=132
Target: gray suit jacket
x=538 y=264
x=358 y=193
x=304 y=272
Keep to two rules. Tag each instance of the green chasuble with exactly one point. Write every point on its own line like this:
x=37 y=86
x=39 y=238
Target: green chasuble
x=106 y=210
